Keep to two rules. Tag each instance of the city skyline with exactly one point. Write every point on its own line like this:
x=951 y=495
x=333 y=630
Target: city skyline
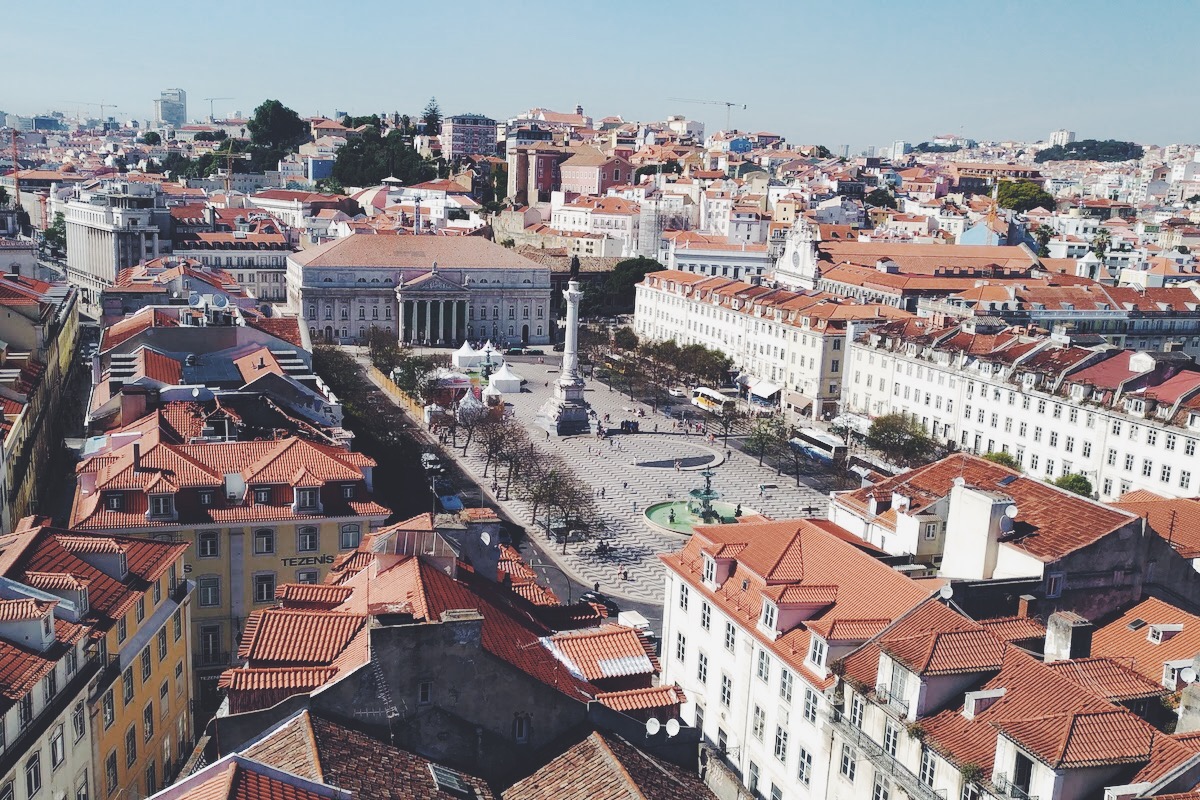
x=836 y=81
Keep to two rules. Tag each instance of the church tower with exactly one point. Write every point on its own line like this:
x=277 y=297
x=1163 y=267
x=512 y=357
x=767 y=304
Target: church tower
x=797 y=268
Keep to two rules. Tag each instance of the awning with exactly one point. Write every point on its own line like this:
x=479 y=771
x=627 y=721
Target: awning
x=765 y=389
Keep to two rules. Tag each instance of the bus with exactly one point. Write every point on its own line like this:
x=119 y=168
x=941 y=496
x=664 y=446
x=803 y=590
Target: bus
x=711 y=400
x=820 y=446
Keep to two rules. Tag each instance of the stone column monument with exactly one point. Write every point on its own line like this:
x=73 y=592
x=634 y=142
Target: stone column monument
x=566 y=413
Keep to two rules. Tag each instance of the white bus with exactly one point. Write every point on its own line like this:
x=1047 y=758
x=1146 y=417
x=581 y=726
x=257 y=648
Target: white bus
x=711 y=400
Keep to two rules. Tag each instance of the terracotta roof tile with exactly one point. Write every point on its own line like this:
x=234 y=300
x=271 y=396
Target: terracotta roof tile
x=610 y=651
x=287 y=636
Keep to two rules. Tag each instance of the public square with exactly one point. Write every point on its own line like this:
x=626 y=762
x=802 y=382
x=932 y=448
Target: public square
x=629 y=472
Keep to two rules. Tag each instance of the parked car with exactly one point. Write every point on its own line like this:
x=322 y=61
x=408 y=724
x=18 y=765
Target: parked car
x=603 y=600
x=450 y=503
x=431 y=463
x=533 y=351
x=515 y=351
x=677 y=391
x=441 y=487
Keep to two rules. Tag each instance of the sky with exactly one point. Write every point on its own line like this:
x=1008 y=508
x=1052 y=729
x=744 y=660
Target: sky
x=854 y=72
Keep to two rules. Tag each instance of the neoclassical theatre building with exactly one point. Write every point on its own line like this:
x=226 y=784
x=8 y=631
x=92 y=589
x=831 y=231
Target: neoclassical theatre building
x=439 y=290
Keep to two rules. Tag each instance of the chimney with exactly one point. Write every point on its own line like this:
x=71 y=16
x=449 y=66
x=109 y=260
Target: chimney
x=1025 y=605
x=1068 y=635
x=137 y=456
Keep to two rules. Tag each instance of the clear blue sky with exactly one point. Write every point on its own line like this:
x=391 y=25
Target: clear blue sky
x=854 y=72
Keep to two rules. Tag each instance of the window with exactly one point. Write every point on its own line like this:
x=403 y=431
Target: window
x=1147 y=467
x=151 y=778
x=930 y=530
x=1129 y=462
x=816 y=650
x=161 y=505
x=6 y=792
x=210 y=590
x=79 y=721
x=849 y=763
x=424 y=693
x=130 y=746
x=684 y=593
x=810 y=705
x=264 y=541
x=1185 y=478
x=157 y=590
x=1087 y=449
x=763 y=666
x=349 y=537
x=1164 y=474
x=730 y=636
x=113 y=502
x=785 y=685
x=804 y=770
x=262 y=496
x=209 y=546
x=857 y=707
x=127 y=685
x=702 y=668
x=33 y=775
x=264 y=587
x=109 y=709
x=1111 y=460
x=1189 y=447
x=781 y=743
x=770 y=613
x=122 y=629
x=705 y=615
x=928 y=766
x=146 y=663
x=307 y=576
x=891 y=738
x=726 y=690
x=710 y=569
x=521 y=728
x=206 y=497
x=110 y=772
x=57 y=747
x=50 y=687
x=306 y=499
x=680 y=647
x=1054 y=584
x=307 y=539
x=776 y=792
x=148 y=722
x=759 y=722
x=880 y=790
x=1170 y=441
x=969 y=792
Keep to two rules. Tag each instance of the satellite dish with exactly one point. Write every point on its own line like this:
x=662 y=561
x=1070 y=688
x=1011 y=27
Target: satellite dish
x=672 y=727
x=195 y=392
x=946 y=592
x=1006 y=524
x=653 y=726
x=220 y=301
x=1011 y=512
x=193 y=299
x=1187 y=674
x=486 y=538
x=960 y=481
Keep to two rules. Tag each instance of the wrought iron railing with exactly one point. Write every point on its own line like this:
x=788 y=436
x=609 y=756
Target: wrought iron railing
x=884 y=762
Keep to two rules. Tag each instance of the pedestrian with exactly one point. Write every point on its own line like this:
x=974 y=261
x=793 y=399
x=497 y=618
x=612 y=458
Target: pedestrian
x=547 y=435
x=625 y=485
x=762 y=490
x=635 y=506
x=656 y=427
x=601 y=492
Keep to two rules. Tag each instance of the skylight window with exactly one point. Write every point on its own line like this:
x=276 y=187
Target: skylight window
x=450 y=781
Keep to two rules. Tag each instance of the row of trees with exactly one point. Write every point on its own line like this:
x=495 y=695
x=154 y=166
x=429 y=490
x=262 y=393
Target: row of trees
x=646 y=366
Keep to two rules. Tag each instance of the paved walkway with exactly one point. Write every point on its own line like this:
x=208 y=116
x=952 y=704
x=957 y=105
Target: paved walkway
x=633 y=471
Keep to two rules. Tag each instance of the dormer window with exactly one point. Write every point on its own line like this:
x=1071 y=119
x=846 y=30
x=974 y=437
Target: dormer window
x=114 y=501
x=348 y=492
x=162 y=505
x=769 y=615
x=262 y=495
x=306 y=498
x=816 y=651
x=710 y=570
x=206 y=497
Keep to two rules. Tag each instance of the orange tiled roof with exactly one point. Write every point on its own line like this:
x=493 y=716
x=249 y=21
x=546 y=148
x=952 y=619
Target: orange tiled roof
x=610 y=651
x=1127 y=637
x=651 y=697
x=1109 y=678
x=290 y=636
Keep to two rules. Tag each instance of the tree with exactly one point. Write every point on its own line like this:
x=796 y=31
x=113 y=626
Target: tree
x=432 y=117
x=671 y=166
x=1021 y=196
x=797 y=458
x=619 y=288
x=55 y=236
x=151 y=138
x=1042 y=235
x=368 y=159
x=274 y=126
x=727 y=421
x=625 y=339
x=764 y=437
x=1091 y=150
x=1076 y=483
x=881 y=198
x=1003 y=459
x=901 y=438
x=1101 y=242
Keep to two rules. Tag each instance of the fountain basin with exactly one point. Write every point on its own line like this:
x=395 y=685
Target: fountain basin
x=658 y=515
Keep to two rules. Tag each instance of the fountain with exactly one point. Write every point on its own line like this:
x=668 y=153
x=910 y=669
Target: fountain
x=704 y=508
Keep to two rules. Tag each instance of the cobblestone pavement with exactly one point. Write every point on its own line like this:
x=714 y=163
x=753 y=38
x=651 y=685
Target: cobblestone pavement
x=612 y=468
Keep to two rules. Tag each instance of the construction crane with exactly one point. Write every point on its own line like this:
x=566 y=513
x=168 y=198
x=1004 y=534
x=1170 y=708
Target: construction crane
x=728 y=105
x=101 y=106
x=210 y=100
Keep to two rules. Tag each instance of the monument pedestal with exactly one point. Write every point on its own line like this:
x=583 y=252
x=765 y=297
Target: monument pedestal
x=566 y=414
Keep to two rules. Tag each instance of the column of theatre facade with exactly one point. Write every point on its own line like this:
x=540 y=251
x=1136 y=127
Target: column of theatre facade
x=440 y=320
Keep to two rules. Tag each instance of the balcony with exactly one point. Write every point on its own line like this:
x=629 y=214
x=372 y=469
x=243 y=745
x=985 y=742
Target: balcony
x=1010 y=789
x=890 y=702
x=180 y=590
x=212 y=658
x=884 y=763
x=109 y=669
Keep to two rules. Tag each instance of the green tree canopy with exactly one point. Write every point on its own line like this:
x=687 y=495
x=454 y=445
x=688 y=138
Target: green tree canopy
x=370 y=119
x=625 y=339
x=1075 y=483
x=901 y=438
x=669 y=166
x=1003 y=459
x=1091 y=150
x=151 y=138
x=881 y=198
x=277 y=127
x=56 y=235
x=432 y=117
x=369 y=159
x=1022 y=196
